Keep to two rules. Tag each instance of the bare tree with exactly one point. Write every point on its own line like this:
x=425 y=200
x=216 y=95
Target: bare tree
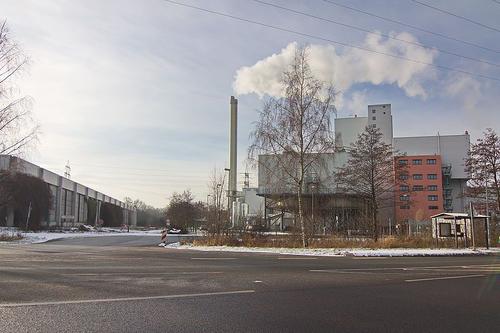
x=371 y=173
x=183 y=210
x=17 y=128
x=216 y=203
x=295 y=128
x=483 y=165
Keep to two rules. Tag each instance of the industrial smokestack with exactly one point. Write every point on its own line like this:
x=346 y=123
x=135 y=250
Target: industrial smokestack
x=233 y=153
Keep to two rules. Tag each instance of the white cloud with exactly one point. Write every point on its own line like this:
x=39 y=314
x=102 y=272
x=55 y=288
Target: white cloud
x=347 y=68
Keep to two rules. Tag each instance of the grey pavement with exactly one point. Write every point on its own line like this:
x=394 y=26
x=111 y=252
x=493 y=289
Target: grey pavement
x=129 y=284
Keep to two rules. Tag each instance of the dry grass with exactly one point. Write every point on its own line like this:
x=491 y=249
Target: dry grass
x=10 y=236
x=292 y=241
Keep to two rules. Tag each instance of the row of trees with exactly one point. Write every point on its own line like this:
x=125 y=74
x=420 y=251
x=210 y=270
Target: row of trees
x=182 y=212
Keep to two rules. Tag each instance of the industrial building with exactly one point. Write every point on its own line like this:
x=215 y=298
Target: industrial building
x=436 y=176
x=70 y=200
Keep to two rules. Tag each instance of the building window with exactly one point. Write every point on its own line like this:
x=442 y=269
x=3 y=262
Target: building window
x=416 y=162
x=404 y=197
x=374 y=118
x=403 y=177
x=445 y=229
x=53 y=203
x=432 y=176
x=431 y=161
x=432 y=197
x=373 y=111
x=404 y=207
x=403 y=162
x=68 y=208
x=404 y=188
x=432 y=188
x=433 y=207
x=418 y=187
x=418 y=176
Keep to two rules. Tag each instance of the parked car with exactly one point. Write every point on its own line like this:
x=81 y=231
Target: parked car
x=174 y=231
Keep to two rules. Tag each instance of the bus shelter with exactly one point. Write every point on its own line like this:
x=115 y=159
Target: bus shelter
x=462 y=227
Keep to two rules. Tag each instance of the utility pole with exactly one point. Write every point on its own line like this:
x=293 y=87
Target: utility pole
x=28 y=218
x=67 y=172
x=472 y=226
x=487 y=216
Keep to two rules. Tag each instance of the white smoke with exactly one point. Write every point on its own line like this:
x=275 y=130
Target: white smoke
x=464 y=88
x=345 y=69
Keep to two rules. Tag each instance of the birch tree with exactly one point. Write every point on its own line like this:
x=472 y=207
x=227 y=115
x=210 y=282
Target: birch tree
x=295 y=128
x=17 y=128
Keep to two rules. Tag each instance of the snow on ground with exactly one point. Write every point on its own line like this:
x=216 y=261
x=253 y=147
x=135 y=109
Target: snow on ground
x=331 y=252
x=45 y=236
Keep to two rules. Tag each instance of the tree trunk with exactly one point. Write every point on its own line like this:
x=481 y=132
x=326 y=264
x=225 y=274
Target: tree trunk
x=301 y=217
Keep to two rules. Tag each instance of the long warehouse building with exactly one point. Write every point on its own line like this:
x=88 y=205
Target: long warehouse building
x=72 y=203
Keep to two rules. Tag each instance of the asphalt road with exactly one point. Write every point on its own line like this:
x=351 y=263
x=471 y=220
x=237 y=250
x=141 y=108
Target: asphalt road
x=128 y=284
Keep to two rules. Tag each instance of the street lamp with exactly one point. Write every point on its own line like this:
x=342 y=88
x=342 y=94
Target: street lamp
x=217 y=202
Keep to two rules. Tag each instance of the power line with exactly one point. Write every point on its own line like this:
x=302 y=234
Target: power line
x=440 y=67
x=412 y=26
x=101 y=166
x=375 y=33
x=456 y=15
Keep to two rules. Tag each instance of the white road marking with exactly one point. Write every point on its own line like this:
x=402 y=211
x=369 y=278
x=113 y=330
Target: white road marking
x=257 y=281
x=416 y=268
x=336 y=271
x=367 y=258
x=445 y=278
x=297 y=258
x=141 y=273
x=214 y=258
x=124 y=299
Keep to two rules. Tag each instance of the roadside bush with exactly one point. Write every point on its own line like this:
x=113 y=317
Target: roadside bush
x=10 y=236
x=294 y=241
x=19 y=190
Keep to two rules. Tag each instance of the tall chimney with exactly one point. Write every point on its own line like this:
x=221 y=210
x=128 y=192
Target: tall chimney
x=233 y=153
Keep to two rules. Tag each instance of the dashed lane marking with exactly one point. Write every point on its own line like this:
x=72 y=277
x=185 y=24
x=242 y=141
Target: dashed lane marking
x=215 y=258
x=141 y=273
x=446 y=278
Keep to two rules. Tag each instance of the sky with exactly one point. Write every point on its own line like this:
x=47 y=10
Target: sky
x=135 y=94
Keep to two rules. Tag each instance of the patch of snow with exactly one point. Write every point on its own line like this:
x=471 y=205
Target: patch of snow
x=332 y=252
x=173 y=245
x=45 y=236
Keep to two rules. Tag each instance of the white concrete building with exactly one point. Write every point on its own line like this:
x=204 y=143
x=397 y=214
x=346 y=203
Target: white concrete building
x=449 y=150
x=70 y=200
